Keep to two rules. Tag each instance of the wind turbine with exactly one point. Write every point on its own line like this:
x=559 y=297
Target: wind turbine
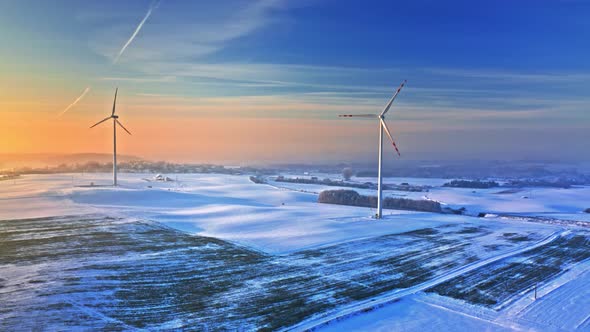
x=115 y=123
x=382 y=125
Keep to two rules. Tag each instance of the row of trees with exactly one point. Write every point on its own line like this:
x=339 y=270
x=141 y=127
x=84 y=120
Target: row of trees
x=326 y=182
x=476 y=184
x=557 y=183
x=365 y=185
x=140 y=166
x=257 y=179
x=351 y=197
x=4 y=177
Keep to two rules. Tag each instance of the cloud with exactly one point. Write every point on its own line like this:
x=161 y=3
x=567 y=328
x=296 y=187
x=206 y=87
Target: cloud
x=186 y=29
x=512 y=77
x=75 y=101
x=179 y=53
x=159 y=79
x=153 y=6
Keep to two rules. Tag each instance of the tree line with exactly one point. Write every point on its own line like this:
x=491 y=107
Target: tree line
x=476 y=184
x=351 y=197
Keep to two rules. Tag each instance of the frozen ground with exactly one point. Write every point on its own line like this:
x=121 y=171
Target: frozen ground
x=324 y=260
x=415 y=313
x=227 y=207
x=551 y=202
x=562 y=302
x=92 y=272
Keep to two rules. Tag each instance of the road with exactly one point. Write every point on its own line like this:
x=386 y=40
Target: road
x=366 y=305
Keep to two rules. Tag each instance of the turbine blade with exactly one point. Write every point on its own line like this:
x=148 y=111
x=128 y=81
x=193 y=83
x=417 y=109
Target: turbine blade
x=99 y=122
x=115 y=101
x=119 y=123
x=393 y=98
x=389 y=135
x=358 y=116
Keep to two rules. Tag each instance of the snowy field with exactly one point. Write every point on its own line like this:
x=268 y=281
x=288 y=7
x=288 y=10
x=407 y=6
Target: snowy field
x=263 y=249
x=223 y=206
x=534 y=201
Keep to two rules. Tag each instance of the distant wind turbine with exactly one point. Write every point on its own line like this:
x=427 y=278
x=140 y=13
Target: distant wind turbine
x=382 y=125
x=115 y=123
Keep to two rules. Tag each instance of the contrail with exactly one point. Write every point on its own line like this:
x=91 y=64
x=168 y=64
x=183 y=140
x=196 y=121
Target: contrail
x=75 y=101
x=153 y=6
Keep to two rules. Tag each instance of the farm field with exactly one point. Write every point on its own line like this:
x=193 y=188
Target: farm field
x=92 y=271
x=218 y=252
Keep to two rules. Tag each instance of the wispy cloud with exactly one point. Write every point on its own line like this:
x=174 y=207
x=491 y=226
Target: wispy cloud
x=183 y=54
x=412 y=114
x=153 y=6
x=511 y=76
x=162 y=79
x=75 y=101
x=202 y=28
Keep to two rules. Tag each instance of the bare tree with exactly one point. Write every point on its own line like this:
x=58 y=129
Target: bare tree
x=347 y=173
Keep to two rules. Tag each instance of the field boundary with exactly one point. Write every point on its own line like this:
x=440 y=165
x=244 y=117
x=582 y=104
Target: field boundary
x=370 y=304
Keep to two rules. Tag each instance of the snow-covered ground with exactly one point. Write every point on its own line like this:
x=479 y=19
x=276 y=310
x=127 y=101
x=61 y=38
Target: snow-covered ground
x=283 y=218
x=415 y=313
x=561 y=305
x=548 y=202
x=261 y=216
x=223 y=206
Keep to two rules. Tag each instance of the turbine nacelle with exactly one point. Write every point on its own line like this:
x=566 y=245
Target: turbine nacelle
x=113 y=116
x=381 y=116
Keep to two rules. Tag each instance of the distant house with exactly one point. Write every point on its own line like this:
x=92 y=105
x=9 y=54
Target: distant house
x=163 y=178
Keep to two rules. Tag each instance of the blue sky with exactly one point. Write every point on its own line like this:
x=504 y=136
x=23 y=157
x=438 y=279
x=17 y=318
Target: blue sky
x=492 y=79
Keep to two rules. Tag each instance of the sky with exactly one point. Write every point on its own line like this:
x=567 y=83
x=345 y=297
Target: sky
x=264 y=80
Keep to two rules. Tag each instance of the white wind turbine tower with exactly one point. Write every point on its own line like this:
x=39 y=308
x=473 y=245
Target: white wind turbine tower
x=115 y=123
x=382 y=125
